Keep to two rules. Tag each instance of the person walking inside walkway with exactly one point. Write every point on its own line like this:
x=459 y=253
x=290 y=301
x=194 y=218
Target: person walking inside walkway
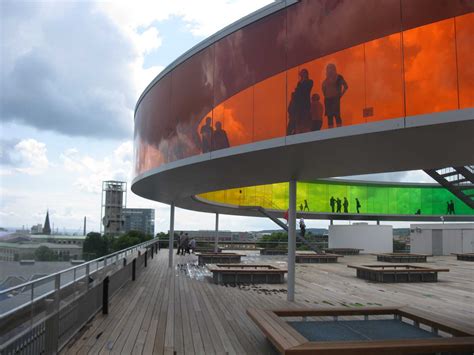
x=338 y=204
x=302 y=227
x=299 y=109
x=334 y=87
x=346 y=205
x=332 y=203
x=358 y=206
x=306 y=207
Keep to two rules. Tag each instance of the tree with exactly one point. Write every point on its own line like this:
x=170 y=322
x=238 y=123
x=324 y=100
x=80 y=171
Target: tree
x=43 y=253
x=129 y=239
x=94 y=246
x=276 y=240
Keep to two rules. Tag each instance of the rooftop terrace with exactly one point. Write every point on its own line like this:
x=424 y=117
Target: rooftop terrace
x=180 y=309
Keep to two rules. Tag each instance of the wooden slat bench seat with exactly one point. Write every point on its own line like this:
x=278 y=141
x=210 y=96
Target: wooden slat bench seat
x=221 y=258
x=266 y=251
x=465 y=256
x=343 y=251
x=397 y=273
x=247 y=273
x=402 y=258
x=302 y=258
x=287 y=340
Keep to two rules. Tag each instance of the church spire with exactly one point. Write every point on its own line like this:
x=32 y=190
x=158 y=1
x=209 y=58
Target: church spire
x=47 y=227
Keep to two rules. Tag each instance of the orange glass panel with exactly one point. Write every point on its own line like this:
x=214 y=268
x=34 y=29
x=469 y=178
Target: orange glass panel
x=270 y=108
x=384 y=80
x=349 y=64
x=296 y=122
x=465 y=55
x=430 y=68
x=235 y=116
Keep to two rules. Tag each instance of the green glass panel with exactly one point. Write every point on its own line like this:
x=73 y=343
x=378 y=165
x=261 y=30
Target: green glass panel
x=374 y=198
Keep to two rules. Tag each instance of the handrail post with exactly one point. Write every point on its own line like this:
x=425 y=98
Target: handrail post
x=32 y=303
x=105 y=296
x=171 y=237
x=291 y=240
x=134 y=268
x=87 y=276
x=146 y=257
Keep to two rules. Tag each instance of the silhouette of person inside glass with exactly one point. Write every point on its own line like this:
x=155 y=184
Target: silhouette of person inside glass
x=338 y=205
x=358 y=206
x=448 y=207
x=301 y=207
x=306 y=207
x=316 y=113
x=220 y=140
x=206 y=136
x=332 y=203
x=299 y=109
x=452 y=208
x=346 y=205
x=334 y=87
x=418 y=211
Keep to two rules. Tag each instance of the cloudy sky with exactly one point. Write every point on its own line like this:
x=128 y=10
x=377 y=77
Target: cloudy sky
x=71 y=72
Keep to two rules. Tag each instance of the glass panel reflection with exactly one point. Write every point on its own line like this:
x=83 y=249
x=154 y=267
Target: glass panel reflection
x=295 y=72
x=347 y=197
x=430 y=68
x=465 y=56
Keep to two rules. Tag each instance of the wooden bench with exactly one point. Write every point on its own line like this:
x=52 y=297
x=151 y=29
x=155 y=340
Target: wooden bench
x=397 y=273
x=343 y=251
x=288 y=340
x=221 y=258
x=465 y=256
x=206 y=250
x=247 y=273
x=266 y=251
x=302 y=258
x=402 y=258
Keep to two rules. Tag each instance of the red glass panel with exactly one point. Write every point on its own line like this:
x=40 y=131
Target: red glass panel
x=321 y=27
x=153 y=125
x=192 y=97
x=250 y=55
x=417 y=13
x=465 y=55
x=430 y=68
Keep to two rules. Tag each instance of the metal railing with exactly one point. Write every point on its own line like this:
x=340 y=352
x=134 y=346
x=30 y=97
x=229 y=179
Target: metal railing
x=42 y=315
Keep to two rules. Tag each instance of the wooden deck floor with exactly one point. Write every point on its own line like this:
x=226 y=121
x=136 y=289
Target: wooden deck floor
x=167 y=311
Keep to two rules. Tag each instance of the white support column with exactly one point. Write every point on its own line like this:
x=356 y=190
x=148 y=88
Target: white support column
x=171 y=236
x=291 y=240
x=216 y=237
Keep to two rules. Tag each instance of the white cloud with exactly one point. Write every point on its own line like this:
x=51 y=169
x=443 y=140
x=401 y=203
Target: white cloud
x=137 y=19
x=90 y=171
x=32 y=155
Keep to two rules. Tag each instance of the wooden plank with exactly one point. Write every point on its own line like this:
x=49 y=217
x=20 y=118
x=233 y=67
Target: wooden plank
x=407 y=346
